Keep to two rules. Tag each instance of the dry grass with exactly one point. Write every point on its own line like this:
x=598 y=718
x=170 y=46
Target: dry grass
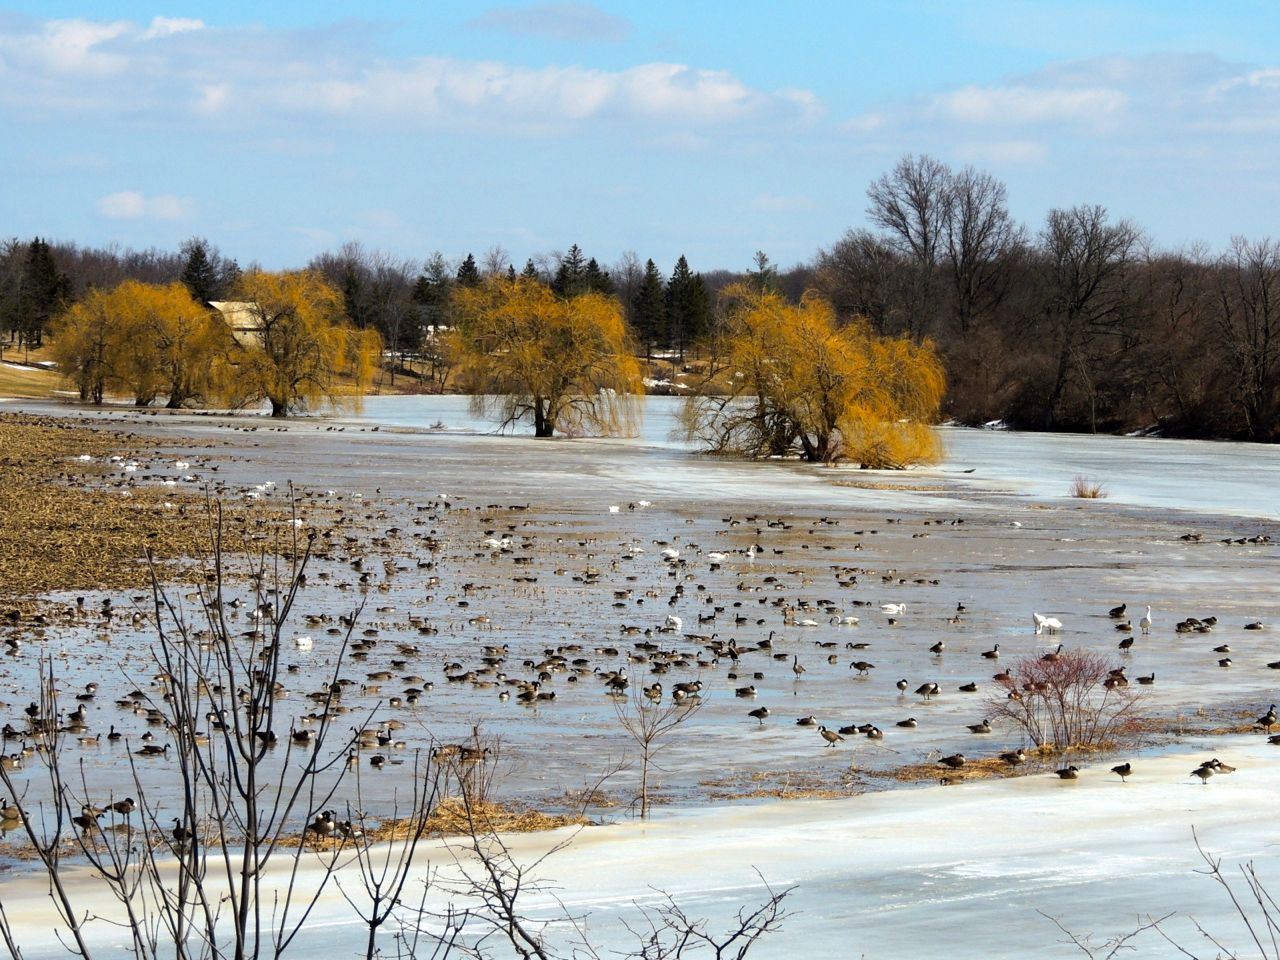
x=1087 y=488
x=29 y=383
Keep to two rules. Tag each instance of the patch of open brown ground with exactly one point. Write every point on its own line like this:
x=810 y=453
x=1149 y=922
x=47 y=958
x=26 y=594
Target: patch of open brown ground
x=63 y=528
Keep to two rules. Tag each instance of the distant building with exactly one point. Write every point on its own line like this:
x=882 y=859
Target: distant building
x=243 y=319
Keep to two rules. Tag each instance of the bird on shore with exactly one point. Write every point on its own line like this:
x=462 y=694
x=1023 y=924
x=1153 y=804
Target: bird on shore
x=955 y=761
x=1123 y=771
x=1268 y=719
x=830 y=736
x=928 y=690
x=1220 y=767
x=124 y=807
x=759 y=713
x=1014 y=757
x=1204 y=772
x=1068 y=773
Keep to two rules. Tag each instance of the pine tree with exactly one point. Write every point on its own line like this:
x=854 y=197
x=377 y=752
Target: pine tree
x=570 y=278
x=688 y=306
x=200 y=275
x=650 y=310
x=595 y=280
x=44 y=292
x=764 y=278
x=469 y=273
x=530 y=272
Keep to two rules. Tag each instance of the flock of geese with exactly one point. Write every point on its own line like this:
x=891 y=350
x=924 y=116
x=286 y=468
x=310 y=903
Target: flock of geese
x=432 y=561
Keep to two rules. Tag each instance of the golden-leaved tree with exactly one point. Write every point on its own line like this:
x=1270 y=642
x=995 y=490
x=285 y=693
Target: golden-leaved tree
x=297 y=349
x=800 y=384
x=564 y=364
x=144 y=339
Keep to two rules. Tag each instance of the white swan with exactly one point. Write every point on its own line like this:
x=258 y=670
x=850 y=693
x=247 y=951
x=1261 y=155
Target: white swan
x=894 y=609
x=1145 y=622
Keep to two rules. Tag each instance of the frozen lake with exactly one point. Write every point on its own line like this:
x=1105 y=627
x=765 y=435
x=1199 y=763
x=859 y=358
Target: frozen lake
x=907 y=863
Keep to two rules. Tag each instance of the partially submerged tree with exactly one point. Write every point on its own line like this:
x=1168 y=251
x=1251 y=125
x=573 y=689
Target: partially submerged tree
x=526 y=355
x=801 y=385
x=300 y=349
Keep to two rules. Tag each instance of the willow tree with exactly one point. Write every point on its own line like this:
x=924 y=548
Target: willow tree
x=170 y=344
x=799 y=384
x=565 y=364
x=83 y=345
x=296 y=347
x=143 y=339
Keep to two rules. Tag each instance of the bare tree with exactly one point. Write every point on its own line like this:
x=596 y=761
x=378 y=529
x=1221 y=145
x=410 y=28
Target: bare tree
x=648 y=722
x=1064 y=700
x=1248 y=322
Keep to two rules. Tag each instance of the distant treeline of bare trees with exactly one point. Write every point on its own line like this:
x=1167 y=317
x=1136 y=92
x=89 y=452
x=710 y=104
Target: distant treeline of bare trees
x=1079 y=323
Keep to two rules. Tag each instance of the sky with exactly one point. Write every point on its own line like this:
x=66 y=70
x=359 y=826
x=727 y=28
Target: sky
x=712 y=129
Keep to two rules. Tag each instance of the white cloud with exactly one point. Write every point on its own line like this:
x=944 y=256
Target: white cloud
x=167 y=26
x=131 y=205
x=1013 y=105
x=63 y=48
x=175 y=68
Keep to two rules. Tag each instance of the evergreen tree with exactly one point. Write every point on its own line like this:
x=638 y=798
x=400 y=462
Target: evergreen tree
x=688 y=306
x=469 y=273
x=511 y=271
x=43 y=293
x=530 y=272
x=650 y=310
x=200 y=275
x=595 y=280
x=764 y=278
x=570 y=278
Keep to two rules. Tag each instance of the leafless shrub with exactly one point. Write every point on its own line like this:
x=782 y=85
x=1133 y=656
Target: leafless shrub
x=648 y=723
x=1087 y=488
x=1069 y=699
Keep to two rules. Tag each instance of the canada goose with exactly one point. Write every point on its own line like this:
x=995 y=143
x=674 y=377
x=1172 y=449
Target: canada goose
x=1222 y=648
x=124 y=807
x=151 y=750
x=969 y=687
x=902 y=685
x=983 y=727
x=1123 y=771
x=745 y=691
x=323 y=825
x=862 y=667
x=1053 y=655
x=1268 y=719
x=927 y=690
x=1224 y=662
x=1014 y=757
x=113 y=734
x=1220 y=767
x=1068 y=773
x=1126 y=644
x=10 y=811
x=86 y=821
x=1204 y=772
x=910 y=723
x=1116 y=613
x=993 y=653
x=759 y=713
x=955 y=761
x=796 y=666
x=937 y=648
x=830 y=736
x=1147 y=680
x=1254 y=625
x=873 y=732
x=809 y=721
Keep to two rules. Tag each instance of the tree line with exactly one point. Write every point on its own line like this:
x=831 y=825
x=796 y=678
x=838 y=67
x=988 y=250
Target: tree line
x=1079 y=323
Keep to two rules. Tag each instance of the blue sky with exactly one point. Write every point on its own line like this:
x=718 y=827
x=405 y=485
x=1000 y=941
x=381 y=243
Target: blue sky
x=712 y=129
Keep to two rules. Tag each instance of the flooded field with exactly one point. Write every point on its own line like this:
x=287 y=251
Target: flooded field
x=540 y=548
x=456 y=541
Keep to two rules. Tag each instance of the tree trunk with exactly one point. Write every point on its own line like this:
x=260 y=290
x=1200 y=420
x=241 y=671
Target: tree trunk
x=279 y=410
